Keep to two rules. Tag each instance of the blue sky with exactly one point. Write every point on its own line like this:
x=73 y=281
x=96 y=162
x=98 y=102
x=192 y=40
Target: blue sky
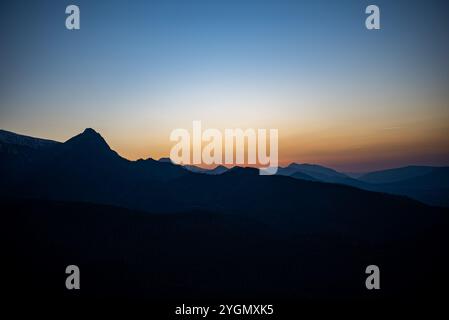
x=339 y=94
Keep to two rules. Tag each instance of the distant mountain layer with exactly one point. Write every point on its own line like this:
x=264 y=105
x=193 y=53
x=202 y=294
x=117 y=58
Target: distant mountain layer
x=397 y=174
x=431 y=187
x=217 y=170
x=424 y=183
x=85 y=162
x=314 y=171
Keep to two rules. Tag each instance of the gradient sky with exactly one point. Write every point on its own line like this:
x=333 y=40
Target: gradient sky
x=340 y=95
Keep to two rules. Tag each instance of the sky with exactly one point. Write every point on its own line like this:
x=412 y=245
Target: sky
x=340 y=95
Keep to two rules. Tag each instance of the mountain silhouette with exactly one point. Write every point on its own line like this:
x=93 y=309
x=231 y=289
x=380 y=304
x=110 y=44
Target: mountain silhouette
x=84 y=168
x=303 y=176
x=10 y=138
x=88 y=141
x=314 y=172
x=430 y=185
x=166 y=160
x=424 y=183
x=242 y=171
x=397 y=174
x=163 y=232
x=217 y=170
x=192 y=168
x=23 y=156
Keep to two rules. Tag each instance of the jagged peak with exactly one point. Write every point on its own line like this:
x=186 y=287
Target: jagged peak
x=90 y=131
x=89 y=138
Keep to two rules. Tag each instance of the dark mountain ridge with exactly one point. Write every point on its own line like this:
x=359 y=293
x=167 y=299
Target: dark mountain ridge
x=7 y=137
x=396 y=174
x=84 y=168
x=423 y=183
x=162 y=232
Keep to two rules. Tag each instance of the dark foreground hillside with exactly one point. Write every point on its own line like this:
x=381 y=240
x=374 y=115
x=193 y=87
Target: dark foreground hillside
x=124 y=254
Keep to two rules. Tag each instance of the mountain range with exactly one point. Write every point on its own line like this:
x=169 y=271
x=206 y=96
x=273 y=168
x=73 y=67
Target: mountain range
x=165 y=231
x=424 y=183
